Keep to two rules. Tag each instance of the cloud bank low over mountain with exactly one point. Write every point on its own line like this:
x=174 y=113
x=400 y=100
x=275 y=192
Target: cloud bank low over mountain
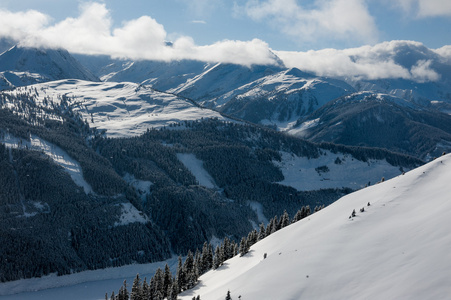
x=92 y=32
x=395 y=59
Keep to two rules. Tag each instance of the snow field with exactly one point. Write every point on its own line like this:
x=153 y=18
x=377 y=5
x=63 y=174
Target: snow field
x=122 y=109
x=398 y=248
x=195 y=166
x=301 y=174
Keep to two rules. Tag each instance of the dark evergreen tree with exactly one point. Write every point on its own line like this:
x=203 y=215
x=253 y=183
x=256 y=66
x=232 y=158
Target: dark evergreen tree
x=173 y=291
x=167 y=281
x=244 y=247
x=217 y=260
x=145 y=289
x=261 y=232
x=158 y=281
x=206 y=258
x=180 y=277
x=285 y=220
x=228 y=297
x=137 y=292
x=297 y=216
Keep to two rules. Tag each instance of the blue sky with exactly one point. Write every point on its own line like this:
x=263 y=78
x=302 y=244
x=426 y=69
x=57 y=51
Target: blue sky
x=274 y=21
x=359 y=38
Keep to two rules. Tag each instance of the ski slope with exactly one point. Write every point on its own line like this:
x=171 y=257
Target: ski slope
x=398 y=248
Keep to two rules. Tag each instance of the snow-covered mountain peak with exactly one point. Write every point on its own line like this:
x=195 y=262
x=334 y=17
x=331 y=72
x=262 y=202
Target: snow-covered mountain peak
x=50 y=64
x=396 y=247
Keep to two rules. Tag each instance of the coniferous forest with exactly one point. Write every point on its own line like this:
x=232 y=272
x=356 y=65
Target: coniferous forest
x=49 y=224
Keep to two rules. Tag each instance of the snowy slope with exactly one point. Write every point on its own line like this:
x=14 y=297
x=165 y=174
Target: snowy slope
x=379 y=120
x=58 y=155
x=280 y=99
x=122 y=109
x=21 y=66
x=398 y=248
x=332 y=170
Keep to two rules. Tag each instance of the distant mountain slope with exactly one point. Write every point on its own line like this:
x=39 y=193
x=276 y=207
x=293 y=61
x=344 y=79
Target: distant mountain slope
x=121 y=109
x=369 y=119
x=21 y=66
x=396 y=249
x=280 y=99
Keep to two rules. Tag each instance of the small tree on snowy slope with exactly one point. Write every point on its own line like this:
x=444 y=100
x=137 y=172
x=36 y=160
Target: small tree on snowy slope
x=244 y=246
x=228 y=297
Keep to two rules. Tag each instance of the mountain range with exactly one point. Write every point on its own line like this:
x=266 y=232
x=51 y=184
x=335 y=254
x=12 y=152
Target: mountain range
x=150 y=159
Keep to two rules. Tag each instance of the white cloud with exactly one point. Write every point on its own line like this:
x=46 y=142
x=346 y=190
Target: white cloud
x=425 y=8
x=143 y=38
x=445 y=53
x=367 y=62
x=333 y=19
x=422 y=71
x=17 y=26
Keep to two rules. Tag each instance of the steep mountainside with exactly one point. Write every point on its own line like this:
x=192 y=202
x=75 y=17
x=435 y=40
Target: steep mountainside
x=176 y=187
x=21 y=66
x=395 y=248
x=368 y=119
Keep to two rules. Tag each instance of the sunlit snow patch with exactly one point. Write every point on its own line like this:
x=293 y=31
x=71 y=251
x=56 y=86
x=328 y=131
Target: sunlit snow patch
x=130 y=215
x=141 y=186
x=58 y=155
x=196 y=167
x=326 y=171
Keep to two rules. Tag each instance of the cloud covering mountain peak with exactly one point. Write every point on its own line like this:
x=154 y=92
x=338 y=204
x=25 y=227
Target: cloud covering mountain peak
x=143 y=38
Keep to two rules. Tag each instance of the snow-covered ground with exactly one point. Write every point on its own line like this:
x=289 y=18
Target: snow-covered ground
x=326 y=171
x=122 y=109
x=196 y=167
x=87 y=285
x=129 y=214
x=141 y=186
x=58 y=155
x=398 y=248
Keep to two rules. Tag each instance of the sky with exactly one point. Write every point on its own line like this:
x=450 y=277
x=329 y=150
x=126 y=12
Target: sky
x=241 y=31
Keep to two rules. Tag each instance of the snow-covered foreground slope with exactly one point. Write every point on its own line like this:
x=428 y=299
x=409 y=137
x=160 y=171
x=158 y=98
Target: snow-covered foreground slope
x=122 y=109
x=398 y=248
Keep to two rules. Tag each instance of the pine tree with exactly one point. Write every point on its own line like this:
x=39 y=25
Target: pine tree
x=167 y=280
x=261 y=232
x=158 y=283
x=284 y=220
x=297 y=216
x=269 y=227
x=228 y=297
x=145 y=289
x=217 y=258
x=227 y=249
x=206 y=258
x=244 y=247
x=173 y=291
x=275 y=225
x=136 y=293
x=180 y=276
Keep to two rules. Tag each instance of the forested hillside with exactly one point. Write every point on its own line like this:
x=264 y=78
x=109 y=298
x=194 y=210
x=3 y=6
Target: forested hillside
x=145 y=202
